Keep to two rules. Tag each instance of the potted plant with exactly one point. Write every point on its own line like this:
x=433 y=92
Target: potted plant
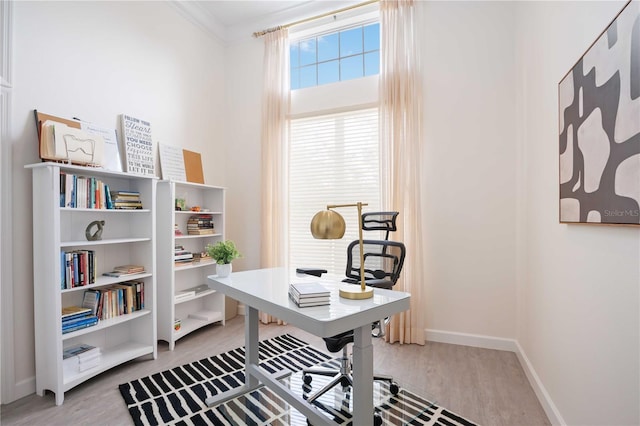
x=223 y=252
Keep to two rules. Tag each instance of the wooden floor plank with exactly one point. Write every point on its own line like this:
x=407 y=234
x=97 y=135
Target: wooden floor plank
x=485 y=386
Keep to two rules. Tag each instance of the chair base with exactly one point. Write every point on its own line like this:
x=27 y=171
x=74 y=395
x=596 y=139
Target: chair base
x=342 y=376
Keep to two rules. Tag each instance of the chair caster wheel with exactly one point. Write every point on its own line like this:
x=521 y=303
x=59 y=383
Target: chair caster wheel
x=307 y=379
x=394 y=388
x=377 y=419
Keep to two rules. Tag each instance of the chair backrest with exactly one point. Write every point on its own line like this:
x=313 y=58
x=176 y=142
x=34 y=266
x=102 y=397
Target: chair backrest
x=383 y=261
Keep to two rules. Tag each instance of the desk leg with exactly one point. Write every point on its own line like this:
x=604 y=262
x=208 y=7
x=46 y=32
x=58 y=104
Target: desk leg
x=251 y=342
x=362 y=376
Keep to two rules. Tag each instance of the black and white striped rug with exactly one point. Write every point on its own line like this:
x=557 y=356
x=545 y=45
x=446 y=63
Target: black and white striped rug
x=176 y=396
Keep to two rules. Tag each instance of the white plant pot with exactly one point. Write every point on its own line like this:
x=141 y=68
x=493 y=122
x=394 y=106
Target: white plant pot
x=223 y=270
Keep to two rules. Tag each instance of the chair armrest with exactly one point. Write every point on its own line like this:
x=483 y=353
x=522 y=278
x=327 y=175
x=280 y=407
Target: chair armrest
x=311 y=271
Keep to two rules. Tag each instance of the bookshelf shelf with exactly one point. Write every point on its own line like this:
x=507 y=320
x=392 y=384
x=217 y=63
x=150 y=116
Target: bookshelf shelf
x=118 y=211
x=80 y=243
x=104 y=281
x=186 y=237
x=102 y=324
x=192 y=324
x=109 y=358
x=174 y=278
x=128 y=237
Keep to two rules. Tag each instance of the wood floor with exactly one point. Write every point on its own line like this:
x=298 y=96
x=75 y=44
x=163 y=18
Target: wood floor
x=486 y=386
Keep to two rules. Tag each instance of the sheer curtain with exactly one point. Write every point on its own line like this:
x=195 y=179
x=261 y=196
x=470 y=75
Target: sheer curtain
x=275 y=108
x=401 y=155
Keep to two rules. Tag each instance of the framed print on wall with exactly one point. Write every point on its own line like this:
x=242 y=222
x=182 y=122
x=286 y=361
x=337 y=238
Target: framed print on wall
x=599 y=113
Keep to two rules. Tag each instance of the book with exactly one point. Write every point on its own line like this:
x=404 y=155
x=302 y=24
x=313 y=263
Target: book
x=205 y=315
x=79 y=349
x=311 y=302
x=303 y=290
x=183 y=295
x=80 y=326
x=74 y=312
x=129 y=268
x=120 y=274
x=90 y=300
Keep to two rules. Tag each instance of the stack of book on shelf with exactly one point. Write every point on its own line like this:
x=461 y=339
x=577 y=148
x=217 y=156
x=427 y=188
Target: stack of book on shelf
x=181 y=256
x=190 y=292
x=309 y=294
x=124 y=270
x=78 y=268
x=201 y=224
x=118 y=299
x=76 y=318
x=79 y=358
x=126 y=200
x=84 y=192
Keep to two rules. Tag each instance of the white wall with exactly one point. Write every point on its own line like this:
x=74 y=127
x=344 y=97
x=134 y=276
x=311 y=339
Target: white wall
x=468 y=53
x=579 y=317
x=96 y=60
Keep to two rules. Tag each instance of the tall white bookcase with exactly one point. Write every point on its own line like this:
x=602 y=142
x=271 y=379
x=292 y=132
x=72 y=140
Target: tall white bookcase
x=128 y=238
x=204 y=307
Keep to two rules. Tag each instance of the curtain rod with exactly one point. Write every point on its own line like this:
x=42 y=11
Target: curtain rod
x=313 y=18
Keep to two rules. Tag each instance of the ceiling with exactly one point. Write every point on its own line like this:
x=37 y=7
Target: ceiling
x=234 y=20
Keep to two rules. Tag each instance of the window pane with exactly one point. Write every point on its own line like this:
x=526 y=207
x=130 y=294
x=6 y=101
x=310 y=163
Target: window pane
x=372 y=37
x=308 y=76
x=351 y=42
x=293 y=54
x=295 y=78
x=308 y=51
x=351 y=68
x=328 y=47
x=372 y=63
x=333 y=159
x=328 y=72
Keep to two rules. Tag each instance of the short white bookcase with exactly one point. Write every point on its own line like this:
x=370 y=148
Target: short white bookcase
x=205 y=307
x=128 y=237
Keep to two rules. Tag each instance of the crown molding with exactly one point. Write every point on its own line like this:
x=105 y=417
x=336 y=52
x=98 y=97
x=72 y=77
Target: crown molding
x=200 y=17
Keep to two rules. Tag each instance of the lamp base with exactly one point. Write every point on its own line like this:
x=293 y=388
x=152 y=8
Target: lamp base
x=354 y=292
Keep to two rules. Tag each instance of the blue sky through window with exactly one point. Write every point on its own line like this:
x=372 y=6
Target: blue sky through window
x=339 y=56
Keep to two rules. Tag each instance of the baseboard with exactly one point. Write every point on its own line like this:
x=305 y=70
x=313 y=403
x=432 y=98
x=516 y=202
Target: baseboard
x=475 y=340
x=501 y=344
x=548 y=406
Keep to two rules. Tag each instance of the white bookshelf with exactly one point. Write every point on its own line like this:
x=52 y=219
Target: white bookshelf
x=173 y=278
x=128 y=238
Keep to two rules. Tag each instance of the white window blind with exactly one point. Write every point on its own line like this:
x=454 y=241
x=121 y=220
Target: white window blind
x=334 y=159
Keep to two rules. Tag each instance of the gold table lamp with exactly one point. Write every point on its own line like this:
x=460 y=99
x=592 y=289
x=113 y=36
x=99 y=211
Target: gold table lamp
x=329 y=225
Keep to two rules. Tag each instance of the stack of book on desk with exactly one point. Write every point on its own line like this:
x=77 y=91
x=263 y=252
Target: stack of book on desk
x=308 y=294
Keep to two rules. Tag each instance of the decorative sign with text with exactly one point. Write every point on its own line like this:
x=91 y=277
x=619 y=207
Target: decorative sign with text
x=138 y=145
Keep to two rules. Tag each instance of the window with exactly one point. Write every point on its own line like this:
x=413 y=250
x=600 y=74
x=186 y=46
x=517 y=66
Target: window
x=333 y=160
x=339 y=56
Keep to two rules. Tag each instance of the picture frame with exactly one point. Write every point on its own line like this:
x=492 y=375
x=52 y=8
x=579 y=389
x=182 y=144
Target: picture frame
x=599 y=128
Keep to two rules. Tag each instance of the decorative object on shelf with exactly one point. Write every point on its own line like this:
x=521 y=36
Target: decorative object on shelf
x=599 y=115
x=172 y=162
x=138 y=145
x=181 y=204
x=329 y=225
x=97 y=235
x=223 y=252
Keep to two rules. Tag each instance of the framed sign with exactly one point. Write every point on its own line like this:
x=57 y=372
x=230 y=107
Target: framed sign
x=138 y=145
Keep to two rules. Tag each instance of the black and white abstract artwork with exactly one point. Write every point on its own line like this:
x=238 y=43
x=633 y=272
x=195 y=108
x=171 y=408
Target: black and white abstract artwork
x=599 y=106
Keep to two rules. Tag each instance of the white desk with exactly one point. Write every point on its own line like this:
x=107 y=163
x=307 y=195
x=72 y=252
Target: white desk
x=267 y=290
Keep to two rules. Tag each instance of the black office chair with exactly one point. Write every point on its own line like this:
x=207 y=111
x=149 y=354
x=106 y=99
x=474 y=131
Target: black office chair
x=383 y=261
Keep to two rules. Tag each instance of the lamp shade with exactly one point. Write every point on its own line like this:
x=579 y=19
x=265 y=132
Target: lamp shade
x=327 y=225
